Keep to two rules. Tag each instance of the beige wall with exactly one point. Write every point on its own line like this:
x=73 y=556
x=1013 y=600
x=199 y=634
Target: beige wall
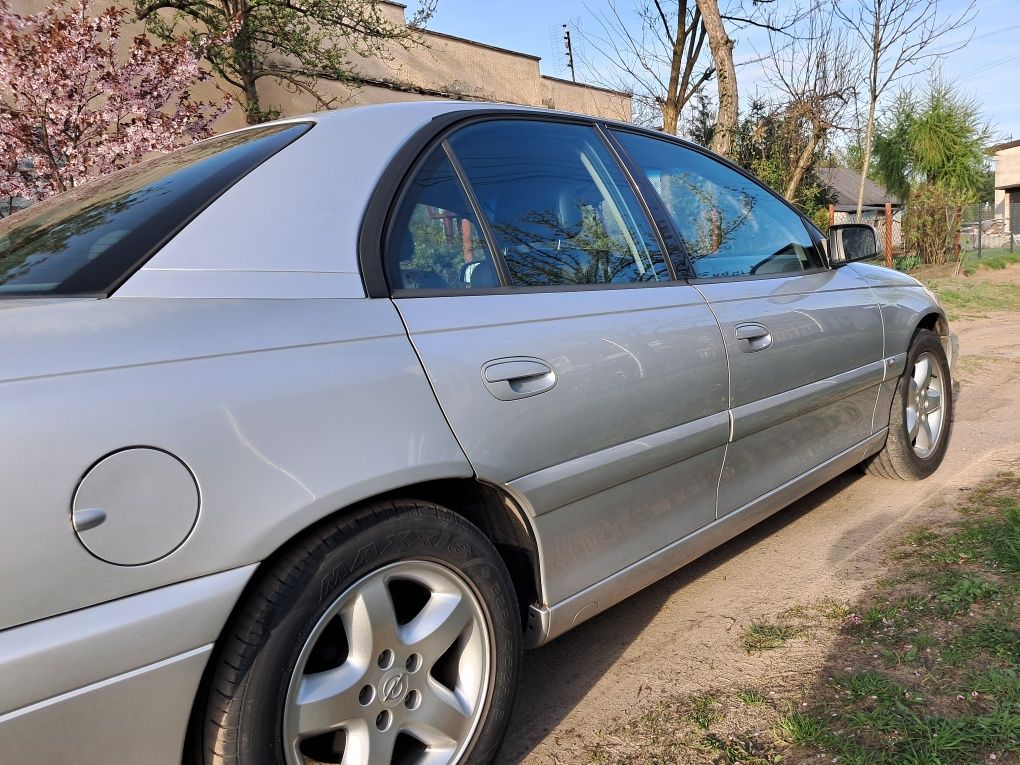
x=570 y=97
x=444 y=67
x=1007 y=173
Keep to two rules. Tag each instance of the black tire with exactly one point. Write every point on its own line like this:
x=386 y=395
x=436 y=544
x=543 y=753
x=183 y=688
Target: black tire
x=898 y=458
x=253 y=664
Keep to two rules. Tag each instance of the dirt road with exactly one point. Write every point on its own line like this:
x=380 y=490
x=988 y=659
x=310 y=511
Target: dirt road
x=682 y=634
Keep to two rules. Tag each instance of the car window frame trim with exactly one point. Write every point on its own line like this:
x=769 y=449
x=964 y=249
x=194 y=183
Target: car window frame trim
x=657 y=211
x=502 y=271
x=393 y=185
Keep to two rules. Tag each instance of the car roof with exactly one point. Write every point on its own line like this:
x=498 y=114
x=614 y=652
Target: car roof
x=291 y=227
x=296 y=219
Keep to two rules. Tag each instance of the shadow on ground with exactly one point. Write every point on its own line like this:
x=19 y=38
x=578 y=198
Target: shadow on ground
x=556 y=677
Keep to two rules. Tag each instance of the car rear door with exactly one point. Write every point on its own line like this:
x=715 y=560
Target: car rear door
x=571 y=365
x=804 y=341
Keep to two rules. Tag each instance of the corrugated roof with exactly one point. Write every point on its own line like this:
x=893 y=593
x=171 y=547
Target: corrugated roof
x=845 y=182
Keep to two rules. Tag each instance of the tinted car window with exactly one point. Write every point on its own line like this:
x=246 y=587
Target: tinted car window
x=436 y=241
x=558 y=205
x=87 y=240
x=730 y=225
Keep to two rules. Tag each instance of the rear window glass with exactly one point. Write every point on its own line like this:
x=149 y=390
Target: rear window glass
x=86 y=241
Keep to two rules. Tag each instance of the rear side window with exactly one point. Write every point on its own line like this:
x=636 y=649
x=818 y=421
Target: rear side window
x=88 y=240
x=559 y=207
x=731 y=226
x=436 y=241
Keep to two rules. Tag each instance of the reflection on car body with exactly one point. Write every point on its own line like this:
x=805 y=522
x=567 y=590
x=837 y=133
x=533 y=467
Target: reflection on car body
x=310 y=428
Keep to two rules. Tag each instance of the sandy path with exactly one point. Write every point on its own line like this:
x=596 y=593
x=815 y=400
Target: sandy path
x=682 y=634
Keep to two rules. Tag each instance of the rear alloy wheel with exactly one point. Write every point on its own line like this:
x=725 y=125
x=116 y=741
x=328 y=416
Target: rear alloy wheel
x=392 y=675
x=921 y=415
x=389 y=637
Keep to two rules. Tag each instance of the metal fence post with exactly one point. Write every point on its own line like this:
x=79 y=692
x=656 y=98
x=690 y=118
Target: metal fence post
x=888 y=234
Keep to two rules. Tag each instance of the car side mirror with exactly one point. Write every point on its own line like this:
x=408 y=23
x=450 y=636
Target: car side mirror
x=849 y=242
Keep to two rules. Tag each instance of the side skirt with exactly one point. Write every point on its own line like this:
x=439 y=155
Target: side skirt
x=548 y=622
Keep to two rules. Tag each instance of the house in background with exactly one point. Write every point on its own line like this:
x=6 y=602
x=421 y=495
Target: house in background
x=845 y=182
x=1007 y=184
x=880 y=205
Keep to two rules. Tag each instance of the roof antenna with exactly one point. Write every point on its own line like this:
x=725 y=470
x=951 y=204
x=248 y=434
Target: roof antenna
x=570 y=52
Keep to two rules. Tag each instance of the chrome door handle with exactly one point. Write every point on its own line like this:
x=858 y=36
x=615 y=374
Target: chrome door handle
x=752 y=337
x=517 y=377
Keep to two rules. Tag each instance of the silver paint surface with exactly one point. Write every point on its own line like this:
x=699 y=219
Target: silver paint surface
x=630 y=365
x=246 y=348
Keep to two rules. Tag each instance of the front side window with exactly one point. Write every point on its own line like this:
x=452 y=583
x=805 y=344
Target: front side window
x=89 y=239
x=730 y=225
x=559 y=207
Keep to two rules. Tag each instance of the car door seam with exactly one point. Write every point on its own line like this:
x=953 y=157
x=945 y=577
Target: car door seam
x=885 y=350
x=428 y=380
x=729 y=394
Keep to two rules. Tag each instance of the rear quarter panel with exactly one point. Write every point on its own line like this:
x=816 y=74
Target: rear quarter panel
x=285 y=411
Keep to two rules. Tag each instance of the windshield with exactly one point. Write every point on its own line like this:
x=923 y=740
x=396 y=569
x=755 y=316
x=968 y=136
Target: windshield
x=88 y=240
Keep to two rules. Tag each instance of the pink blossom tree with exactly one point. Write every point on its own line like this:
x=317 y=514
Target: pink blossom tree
x=75 y=106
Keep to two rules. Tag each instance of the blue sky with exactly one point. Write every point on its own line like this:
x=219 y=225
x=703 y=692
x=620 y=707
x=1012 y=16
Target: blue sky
x=987 y=69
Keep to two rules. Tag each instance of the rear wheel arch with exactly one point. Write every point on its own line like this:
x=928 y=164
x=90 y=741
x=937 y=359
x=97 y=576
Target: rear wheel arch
x=490 y=508
x=498 y=515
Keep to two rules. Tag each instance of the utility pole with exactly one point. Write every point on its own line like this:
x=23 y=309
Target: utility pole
x=570 y=52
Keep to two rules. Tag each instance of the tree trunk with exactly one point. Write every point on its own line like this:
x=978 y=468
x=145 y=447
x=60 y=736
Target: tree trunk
x=244 y=56
x=670 y=116
x=252 y=108
x=869 y=137
x=726 y=77
x=803 y=161
x=671 y=106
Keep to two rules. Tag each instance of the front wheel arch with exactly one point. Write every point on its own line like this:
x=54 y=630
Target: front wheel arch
x=938 y=324
x=901 y=457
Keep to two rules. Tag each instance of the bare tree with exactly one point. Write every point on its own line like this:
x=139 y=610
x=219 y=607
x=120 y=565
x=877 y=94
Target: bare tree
x=660 y=61
x=899 y=37
x=726 y=81
x=815 y=71
x=656 y=50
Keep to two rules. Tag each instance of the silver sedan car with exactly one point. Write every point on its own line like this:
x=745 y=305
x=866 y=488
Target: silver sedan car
x=310 y=428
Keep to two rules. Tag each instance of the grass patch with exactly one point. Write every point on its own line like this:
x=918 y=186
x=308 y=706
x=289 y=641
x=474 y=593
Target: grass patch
x=694 y=729
x=766 y=636
x=704 y=710
x=965 y=298
x=936 y=650
x=751 y=697
x=924 y=670
x=996 y=259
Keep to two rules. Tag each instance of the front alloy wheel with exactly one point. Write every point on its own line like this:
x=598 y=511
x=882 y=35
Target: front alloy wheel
x=924 y=413
x=921 y=414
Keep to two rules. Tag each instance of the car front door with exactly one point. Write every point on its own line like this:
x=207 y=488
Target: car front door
x=804 y=341
x=571 y=366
